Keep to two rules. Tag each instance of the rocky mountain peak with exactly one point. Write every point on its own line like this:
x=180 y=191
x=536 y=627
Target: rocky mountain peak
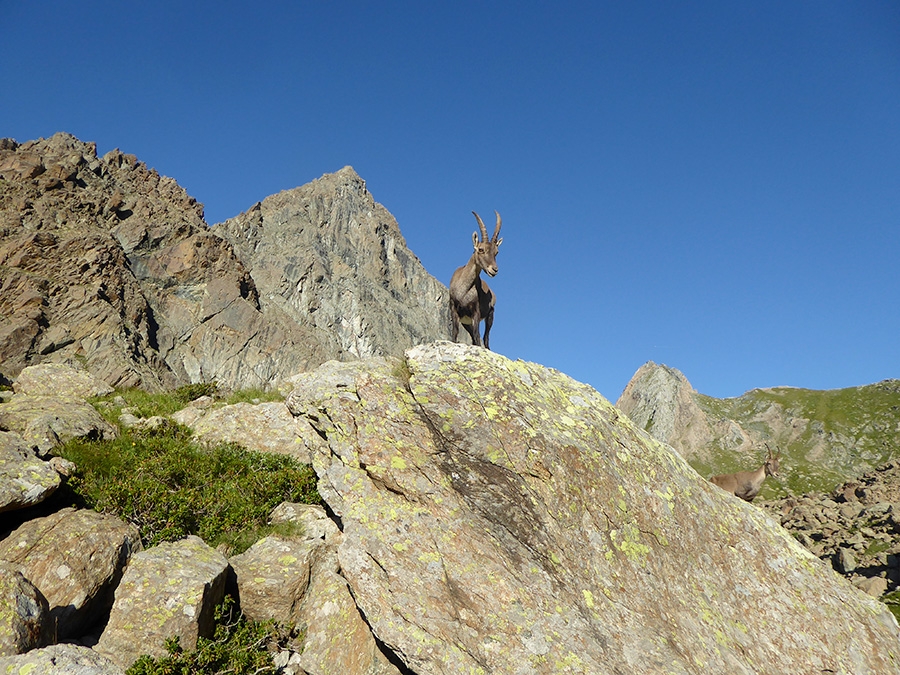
x=106 y=263
x=329 y=257
x=825 y=437
x=660 y=400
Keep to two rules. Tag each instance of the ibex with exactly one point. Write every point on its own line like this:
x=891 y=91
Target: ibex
x=747 y=484
x=471 y=299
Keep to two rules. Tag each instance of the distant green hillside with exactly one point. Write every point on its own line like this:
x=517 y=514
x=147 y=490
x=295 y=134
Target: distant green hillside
x=825 y=437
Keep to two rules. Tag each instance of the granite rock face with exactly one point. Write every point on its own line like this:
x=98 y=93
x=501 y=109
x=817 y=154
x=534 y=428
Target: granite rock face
x=105 y=262
x=500 y=517
x=333 y=260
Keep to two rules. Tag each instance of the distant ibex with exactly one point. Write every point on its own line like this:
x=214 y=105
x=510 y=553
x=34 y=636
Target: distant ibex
x=747 y=484
x=471 y=299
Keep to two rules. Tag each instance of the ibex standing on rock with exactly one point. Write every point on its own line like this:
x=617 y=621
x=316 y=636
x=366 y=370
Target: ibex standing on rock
x=747 y=484
x=471 y=299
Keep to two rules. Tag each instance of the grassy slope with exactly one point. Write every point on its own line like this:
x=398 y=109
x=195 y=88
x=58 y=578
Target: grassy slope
x=825 y=437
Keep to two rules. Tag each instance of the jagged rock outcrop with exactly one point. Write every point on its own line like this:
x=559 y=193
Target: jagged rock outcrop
x=661 y=401
x=333 y=260
x=500 y=517
x=825 y=437
x=105 y=262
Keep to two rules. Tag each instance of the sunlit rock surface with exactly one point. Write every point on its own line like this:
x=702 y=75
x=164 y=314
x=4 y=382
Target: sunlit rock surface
x=500 y=517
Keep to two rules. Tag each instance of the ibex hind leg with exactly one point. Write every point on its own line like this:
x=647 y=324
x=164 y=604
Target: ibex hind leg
x=488 y=322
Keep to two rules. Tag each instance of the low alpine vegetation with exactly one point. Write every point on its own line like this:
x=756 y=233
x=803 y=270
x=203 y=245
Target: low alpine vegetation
x=238 y=646
x=169 y=486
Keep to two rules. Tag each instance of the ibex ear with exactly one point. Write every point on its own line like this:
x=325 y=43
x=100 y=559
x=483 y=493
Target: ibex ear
x=499 y=241
x=475 y=239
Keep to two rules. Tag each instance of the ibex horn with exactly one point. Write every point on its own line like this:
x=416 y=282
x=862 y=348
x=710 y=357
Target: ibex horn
x=481 y=226
x=496 y=229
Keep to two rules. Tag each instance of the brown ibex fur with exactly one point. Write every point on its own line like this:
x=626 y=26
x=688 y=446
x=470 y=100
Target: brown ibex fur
x=471 y=299
x=747 y=484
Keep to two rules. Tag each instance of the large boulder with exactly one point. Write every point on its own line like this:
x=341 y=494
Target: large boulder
x=500 y=517
x=75 y=558
x=25 y=480
x=45 y=422
x=59 y=380
x=168 y=591
x=24 y=614
x=262 y=427
x=272 y=577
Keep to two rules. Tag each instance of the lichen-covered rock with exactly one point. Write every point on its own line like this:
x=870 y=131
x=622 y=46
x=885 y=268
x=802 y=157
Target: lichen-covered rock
x=272 y=576
x=25 y=480
x=24 y=615
x=311 y=517
x=170 y=590
x=44 y=422
x=337 y=641
x=501 y=517
x=263 y=427
x=59 y=380
x=76 y=558
x=64 y=659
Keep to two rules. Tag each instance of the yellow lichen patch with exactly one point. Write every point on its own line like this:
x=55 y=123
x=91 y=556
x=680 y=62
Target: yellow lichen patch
x=588 y=598
x=397 y=462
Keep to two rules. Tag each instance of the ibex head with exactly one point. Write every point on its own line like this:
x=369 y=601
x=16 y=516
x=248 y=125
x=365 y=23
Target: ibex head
x=486 y=249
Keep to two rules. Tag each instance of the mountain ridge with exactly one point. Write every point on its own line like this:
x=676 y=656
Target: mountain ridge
x=826 y=436
x=106 y=263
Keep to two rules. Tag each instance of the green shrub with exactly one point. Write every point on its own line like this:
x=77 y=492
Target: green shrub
x=892 y=600
x=253 y=396
x=170 y=487
x=239 y=645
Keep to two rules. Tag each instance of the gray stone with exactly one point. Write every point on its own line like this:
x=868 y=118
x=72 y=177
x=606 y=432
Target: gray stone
x=272 y=576
x=64 y=659
x=45 y=422
x=460 y=479
x=312 y=517
x=76 y=558
x=59 y=380
x=262 y=427
x=24 y=615
x=167 y=591
x=25 y=480
x=846 y=561
x=874 y=586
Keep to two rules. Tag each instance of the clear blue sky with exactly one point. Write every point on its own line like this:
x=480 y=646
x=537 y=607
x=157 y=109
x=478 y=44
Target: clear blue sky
x=710 y=185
